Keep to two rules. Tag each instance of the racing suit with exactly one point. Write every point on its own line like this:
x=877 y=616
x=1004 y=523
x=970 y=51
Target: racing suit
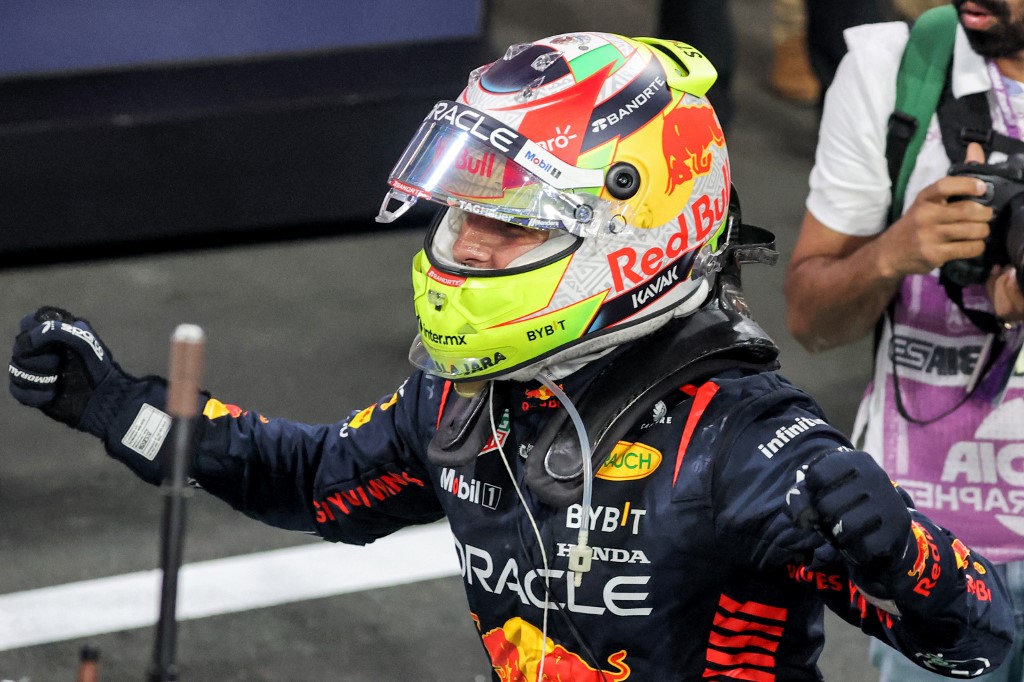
x=698 y=572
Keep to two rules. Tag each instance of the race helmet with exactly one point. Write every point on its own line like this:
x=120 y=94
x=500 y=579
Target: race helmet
x=606 y=150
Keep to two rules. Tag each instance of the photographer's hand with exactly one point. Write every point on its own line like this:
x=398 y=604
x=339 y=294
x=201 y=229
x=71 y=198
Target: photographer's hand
x=939 y=226
x=838 y=285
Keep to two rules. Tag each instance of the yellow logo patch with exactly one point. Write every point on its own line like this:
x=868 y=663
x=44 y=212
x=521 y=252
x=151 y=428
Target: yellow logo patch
x=629 y=461
x=215 y=409
x=361 y=418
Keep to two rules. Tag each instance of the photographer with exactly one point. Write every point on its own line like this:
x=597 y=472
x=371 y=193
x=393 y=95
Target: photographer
x=943 y=409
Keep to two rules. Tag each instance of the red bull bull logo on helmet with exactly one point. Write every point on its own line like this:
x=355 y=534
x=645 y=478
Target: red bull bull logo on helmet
x=515 y=652
x=688 y=134
x=483 y=166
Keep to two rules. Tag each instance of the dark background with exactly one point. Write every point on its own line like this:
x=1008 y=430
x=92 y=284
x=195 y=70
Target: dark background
x=128 y=125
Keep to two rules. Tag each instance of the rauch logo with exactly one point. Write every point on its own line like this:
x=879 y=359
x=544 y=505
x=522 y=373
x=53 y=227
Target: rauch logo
x=629 y=461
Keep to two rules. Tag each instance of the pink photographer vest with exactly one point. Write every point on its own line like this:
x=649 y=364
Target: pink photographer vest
x=965 y=470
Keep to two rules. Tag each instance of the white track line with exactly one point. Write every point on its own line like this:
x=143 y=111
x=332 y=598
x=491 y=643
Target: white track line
x=240 y=583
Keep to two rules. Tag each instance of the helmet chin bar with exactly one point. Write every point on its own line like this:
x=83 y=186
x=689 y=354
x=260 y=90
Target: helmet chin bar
x=406 y=202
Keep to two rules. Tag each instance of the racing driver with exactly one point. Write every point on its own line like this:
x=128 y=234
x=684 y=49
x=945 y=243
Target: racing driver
x=634 y=491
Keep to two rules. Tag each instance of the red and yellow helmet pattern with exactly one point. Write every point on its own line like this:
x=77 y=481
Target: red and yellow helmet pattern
x=608 y=142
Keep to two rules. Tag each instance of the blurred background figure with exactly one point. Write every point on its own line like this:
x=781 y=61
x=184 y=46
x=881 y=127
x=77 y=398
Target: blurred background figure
x=909 y=10
x=803 y=58
x=826 y=21
x=807 y=37
x=791 y=77
x=707 y=25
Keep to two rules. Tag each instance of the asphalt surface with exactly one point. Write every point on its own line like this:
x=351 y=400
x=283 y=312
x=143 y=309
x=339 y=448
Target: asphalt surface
x=311 y=330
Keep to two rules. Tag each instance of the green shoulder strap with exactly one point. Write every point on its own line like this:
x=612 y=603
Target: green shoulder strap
x=919 y=84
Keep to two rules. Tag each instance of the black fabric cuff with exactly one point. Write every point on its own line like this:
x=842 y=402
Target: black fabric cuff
x=128 y=415
x=107 y=400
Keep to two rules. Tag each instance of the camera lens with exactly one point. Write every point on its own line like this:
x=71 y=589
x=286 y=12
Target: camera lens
x=1015 y=238
x=966 y=271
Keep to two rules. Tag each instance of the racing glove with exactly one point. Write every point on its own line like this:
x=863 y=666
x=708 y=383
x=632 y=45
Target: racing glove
x=60 y=365
x=850 y=501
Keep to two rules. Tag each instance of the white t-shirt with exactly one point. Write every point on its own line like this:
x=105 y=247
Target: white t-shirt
x=849 y=185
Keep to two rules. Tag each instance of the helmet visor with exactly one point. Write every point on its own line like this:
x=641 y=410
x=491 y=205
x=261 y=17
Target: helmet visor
x=524 y=185
x=470 y=244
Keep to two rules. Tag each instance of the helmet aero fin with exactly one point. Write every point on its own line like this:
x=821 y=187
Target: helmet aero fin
x=695 y=74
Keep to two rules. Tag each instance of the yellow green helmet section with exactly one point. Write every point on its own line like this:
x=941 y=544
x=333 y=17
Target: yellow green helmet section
x=475 y=327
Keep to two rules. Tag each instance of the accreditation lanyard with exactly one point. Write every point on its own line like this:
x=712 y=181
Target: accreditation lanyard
x=1007 y=112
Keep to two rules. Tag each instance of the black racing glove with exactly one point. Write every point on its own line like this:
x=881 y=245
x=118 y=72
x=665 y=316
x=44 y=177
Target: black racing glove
x=58 y=365
x=851 y=502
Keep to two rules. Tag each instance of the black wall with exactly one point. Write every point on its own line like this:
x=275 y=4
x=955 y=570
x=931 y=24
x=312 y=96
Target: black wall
x=187 y=155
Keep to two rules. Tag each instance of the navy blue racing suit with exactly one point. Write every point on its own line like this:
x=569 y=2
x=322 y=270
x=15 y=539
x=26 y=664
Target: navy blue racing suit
x=698 y=571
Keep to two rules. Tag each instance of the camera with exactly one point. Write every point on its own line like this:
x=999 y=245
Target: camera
x=1005 y=243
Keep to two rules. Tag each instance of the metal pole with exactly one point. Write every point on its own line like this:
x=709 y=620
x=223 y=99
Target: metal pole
x=182 y=405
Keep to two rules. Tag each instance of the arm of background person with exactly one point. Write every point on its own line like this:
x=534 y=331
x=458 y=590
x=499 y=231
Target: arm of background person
x=835 y=288
x=847 y=264
x=838 y=285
